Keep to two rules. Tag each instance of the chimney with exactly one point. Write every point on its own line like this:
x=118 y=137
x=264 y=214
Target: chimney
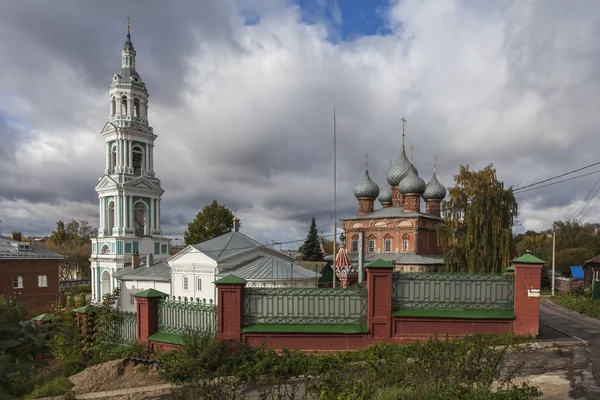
x=236 y=224
x=135 y=260
x=148 y=260
x=16 y=236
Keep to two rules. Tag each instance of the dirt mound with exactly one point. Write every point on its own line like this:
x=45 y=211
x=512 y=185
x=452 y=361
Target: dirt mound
x=117 y=374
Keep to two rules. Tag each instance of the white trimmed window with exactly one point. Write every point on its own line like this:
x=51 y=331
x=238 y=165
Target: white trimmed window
x=42 y=280
x=185 y=283
x=199 y=284
x=18 y=282
x=388 y=245
x=405 y=243
x=131 y=300
x=354 y=244
x=371 y=246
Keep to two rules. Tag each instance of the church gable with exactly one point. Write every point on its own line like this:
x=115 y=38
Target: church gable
x=106 y=183
x=108 y=128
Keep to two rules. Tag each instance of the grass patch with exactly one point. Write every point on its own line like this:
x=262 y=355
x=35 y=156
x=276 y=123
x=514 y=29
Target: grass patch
x=581 y=304
x=56 y=387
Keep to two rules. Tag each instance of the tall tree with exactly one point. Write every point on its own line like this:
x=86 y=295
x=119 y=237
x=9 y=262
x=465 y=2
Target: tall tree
x=213 y=220
x=72 y=240
x=477 y=233
x=311 y=249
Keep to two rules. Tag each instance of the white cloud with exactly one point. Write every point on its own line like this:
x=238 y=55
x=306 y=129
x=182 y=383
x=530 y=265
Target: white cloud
x=249 y=122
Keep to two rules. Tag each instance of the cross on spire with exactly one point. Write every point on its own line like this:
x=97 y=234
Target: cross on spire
x=367 y=161
x=412 y=149
x=403 y=127
x=128 y=26
x=434 y=163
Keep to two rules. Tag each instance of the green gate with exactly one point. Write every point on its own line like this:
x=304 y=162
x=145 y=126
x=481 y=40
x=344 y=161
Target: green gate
x=183 y=314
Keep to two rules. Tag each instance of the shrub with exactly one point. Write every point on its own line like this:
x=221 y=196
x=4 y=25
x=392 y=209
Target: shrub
x=56 y=387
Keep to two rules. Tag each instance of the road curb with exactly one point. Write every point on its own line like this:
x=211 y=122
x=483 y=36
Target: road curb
x=583 y=342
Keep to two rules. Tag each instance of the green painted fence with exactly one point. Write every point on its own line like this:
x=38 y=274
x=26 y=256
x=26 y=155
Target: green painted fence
x=125 y=326
x=305 y=306
x=453 y=291
x=178 y=315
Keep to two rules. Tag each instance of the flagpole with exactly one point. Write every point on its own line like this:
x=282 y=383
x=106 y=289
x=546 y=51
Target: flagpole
x=334 y=196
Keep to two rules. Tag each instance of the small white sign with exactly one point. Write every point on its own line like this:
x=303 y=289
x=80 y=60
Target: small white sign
x=533 y=292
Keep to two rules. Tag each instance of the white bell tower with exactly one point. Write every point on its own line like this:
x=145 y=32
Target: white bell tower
x=129 y=193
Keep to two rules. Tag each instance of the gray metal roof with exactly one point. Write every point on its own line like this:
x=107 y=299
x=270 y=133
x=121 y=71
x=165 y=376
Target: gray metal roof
x=393 y=212
x=159 y=271
x=366 y=188
x=10 y=249
x=397 y=258
x=227 y=245
x=270 y=268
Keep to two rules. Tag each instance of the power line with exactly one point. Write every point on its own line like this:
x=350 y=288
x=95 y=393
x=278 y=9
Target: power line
x=555 y=183
x=582 y=206
x=558 y=176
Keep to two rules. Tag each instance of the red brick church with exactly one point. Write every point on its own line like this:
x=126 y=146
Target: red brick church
x=400 y=231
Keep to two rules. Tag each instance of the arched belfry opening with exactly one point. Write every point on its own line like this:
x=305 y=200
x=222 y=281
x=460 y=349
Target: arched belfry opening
x=124 y=105
x=136 y=107
x=140 y=218
x=137 y=160
x=111 y=217
x=105 y=283
x=113 y=157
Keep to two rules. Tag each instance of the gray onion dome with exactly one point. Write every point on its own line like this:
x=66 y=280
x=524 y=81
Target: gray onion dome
x=366 y=189
x=434 y=190
x=385 y=195
x=412 y=183
x=398 y=171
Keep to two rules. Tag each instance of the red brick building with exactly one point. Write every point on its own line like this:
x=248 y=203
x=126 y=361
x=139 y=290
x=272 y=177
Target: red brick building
x=403 y=230
x=30 y=272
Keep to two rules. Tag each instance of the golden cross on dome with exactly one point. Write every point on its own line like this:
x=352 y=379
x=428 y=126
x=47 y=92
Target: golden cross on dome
x=128 y=26
x=412 y=149
x=367 y=161
x=434 y=163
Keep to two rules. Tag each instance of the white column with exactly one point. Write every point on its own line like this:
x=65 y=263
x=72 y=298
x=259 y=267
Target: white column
x=93 y=272
x=151 y=157
x=130 y=154
x=147 y=156
x=107 y=156
x=131 y=211
x=117 y=211
x=158 y=213
x=153 y=225
x=101 y=225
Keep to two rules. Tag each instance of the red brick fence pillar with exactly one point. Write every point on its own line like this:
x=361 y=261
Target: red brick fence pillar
x=230 y=307
x=379 y=303
x=528 y=282
x=147 y=313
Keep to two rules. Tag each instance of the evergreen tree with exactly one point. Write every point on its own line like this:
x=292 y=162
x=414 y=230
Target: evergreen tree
x=311 y=249
x=477 y=233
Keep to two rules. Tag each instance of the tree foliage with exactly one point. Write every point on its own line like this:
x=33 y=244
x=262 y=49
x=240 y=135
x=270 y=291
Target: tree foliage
x=311 y=249
x=572 y=256
x=479 y=216
x=213 y=220
x=72 y=240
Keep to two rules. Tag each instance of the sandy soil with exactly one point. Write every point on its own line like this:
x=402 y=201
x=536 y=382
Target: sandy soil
x=117 y=374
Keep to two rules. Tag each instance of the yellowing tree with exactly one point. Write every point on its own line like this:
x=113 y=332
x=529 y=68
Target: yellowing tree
x=477 y=233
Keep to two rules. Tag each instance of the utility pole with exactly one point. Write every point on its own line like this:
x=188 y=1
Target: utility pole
x=553 y=255
x=334 y=196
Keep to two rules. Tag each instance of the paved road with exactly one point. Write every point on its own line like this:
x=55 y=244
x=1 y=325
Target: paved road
x=576 y=325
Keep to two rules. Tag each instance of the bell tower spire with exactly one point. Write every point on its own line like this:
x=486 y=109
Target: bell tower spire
x=129 y=192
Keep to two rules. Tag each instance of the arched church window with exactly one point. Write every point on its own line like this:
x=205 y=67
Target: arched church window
x=139 y=218
x=387 y=244
x=113 y=107
x=138 y=160
x=113 y=157
x=124 y=105
x=136 y=108
x=111 y=217
x=105 y=249
x=371 y=245
x=354 y=244
x=405 y=243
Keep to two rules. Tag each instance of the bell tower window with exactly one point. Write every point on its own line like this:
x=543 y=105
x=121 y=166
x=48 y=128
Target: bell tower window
x=138 y=160
x=136 y=108
x=113 y=157
x=124 y=105
x=111 y=217
x=140 y=218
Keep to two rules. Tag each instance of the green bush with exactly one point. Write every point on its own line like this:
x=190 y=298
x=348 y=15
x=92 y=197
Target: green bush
x=580 y=304
x=56 y=387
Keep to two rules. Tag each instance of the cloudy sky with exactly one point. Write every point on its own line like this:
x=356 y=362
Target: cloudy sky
x=243 y=92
